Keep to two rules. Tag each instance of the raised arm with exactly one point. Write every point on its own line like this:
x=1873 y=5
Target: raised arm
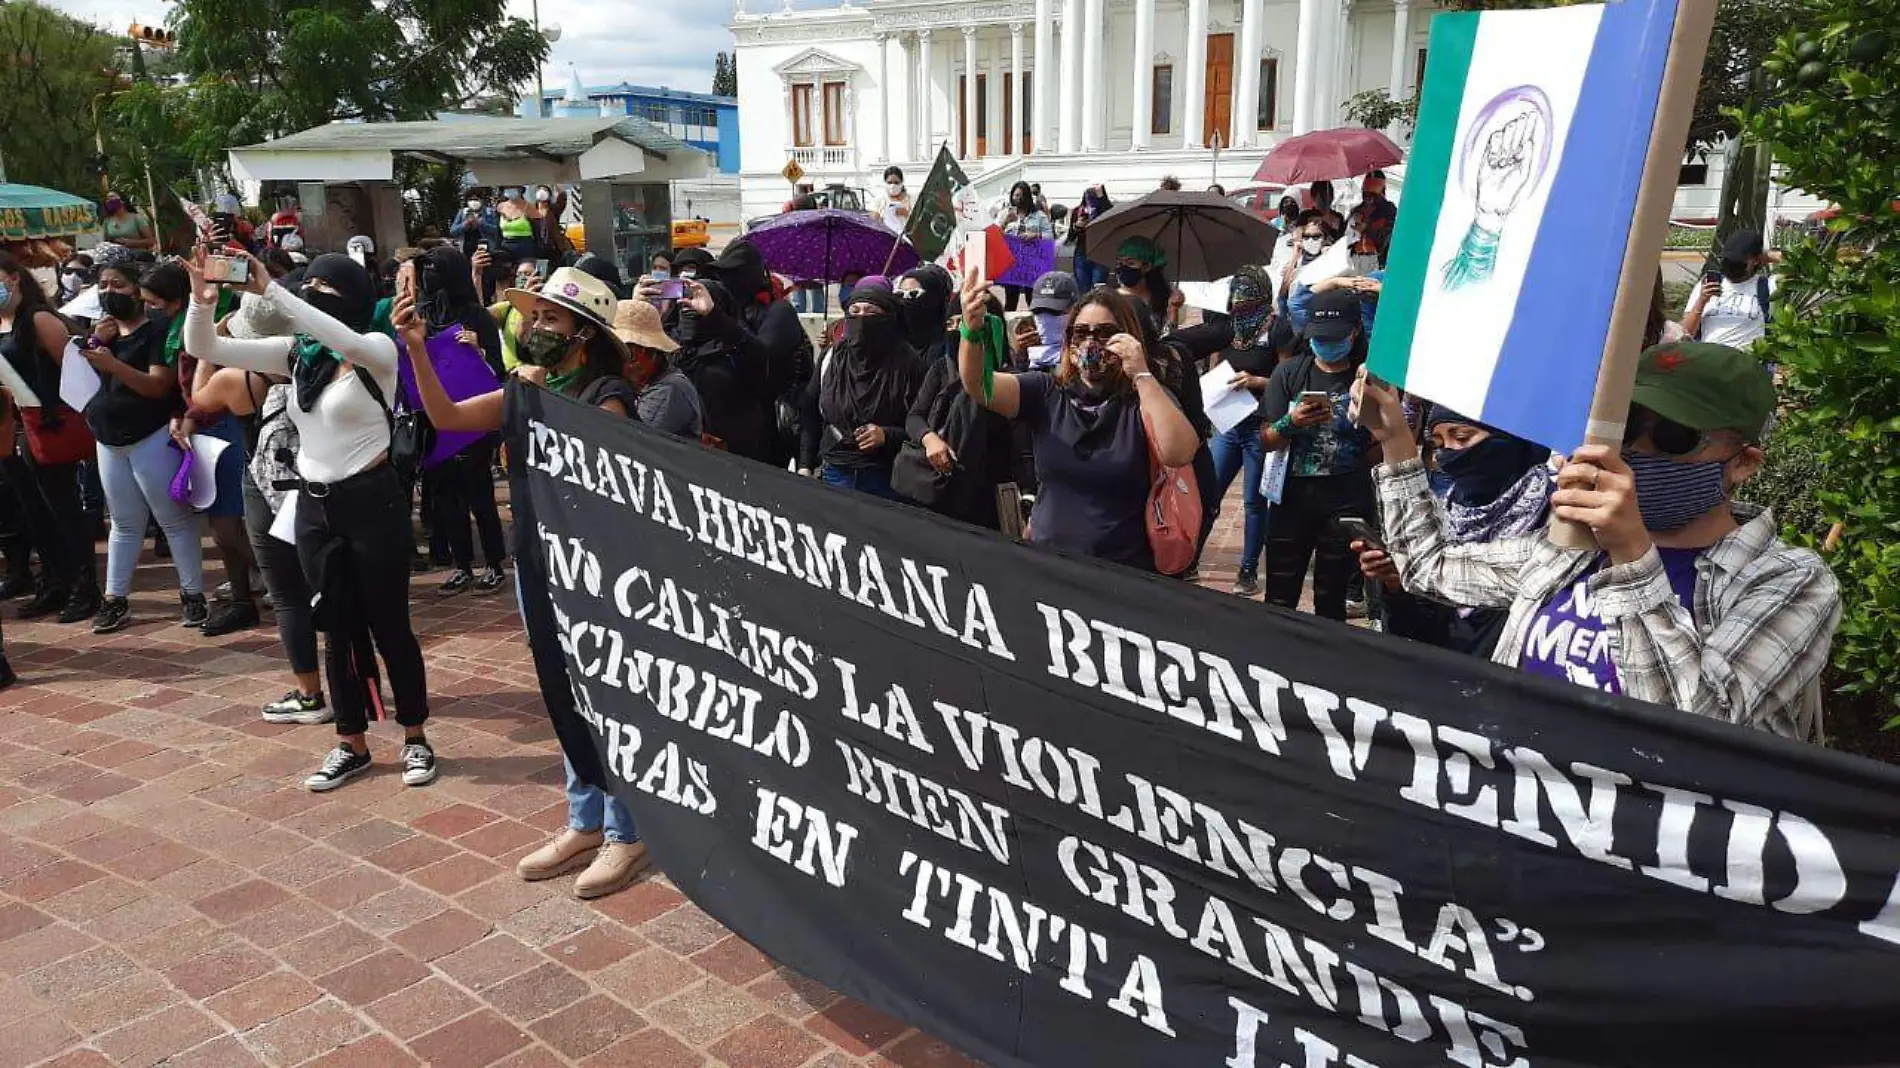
x=374 y=351
x=996 y=390
x=481 y=413
x=1175 y=441
x=269 y=356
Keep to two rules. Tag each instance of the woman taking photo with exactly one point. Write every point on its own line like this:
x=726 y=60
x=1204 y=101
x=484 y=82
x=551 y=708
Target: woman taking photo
x=863 y=392
x=44 y=472
x=570 y=350
x=352 y=512
x=130 y=418
x=1025 y=221
x=1092 y=423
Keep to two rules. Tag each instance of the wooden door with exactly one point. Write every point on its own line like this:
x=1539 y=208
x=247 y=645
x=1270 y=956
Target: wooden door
x=1218 y=109
x=982 y=114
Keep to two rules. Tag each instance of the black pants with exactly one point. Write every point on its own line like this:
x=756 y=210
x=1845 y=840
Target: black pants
x=465 y=487
x=283 y=580
x=369 y=512
x=1013 y=294
x=1300 y=531
x=48 y=496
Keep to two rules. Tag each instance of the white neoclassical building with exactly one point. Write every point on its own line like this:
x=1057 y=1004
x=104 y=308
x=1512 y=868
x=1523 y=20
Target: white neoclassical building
x=1061 y=92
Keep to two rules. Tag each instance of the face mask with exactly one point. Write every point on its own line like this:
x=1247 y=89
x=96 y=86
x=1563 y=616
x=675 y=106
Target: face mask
x=1481 y=473
x=113 y=205
x=1048 y=328
x=6 y=295
x=1737 y=270
x=542 y=196
x=1332 y=350
x=1312 y=245
x=73 y=279
x=894 y=188
x=1128 y=277
x=121 y=306
x=1671 y=494
x=689 y=272
x=1091 y=356
x=334 y=305
x=544 y=348
x=917 y=315
x=474 y=205
x=871 y=332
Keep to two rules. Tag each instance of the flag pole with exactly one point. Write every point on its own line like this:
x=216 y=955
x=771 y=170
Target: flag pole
x=1616 y=377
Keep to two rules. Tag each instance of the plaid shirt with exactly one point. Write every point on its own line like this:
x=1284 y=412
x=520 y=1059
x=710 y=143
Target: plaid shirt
x=1750 y=653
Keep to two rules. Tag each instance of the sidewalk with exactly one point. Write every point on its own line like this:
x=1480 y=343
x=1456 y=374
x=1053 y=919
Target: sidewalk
x=170 y=894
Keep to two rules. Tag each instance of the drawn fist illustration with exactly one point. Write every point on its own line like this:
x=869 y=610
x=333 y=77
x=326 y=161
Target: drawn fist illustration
x=1505 y=169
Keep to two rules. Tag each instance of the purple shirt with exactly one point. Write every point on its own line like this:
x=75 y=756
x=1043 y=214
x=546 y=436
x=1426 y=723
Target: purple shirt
x=1569 y=639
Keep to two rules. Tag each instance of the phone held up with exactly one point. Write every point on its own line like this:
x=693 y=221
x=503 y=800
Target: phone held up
x=1353 y=528
x=228 y=270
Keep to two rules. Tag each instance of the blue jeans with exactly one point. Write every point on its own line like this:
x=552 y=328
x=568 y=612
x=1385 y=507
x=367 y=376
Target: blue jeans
x=590 y=808
x=1239 y=451
x=875 y=481
x=1087 y=274
x=137 y=482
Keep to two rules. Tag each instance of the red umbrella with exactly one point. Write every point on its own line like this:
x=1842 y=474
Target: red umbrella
x=1327 y=154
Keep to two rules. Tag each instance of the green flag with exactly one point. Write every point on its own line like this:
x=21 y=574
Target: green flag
x=933 y=220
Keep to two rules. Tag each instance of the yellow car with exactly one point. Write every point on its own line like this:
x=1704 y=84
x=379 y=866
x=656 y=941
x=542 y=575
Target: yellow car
x=576 y=236
x=689 y=233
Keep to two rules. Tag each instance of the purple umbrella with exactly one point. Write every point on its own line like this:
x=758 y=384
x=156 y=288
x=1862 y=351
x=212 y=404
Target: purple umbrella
x=825 y=244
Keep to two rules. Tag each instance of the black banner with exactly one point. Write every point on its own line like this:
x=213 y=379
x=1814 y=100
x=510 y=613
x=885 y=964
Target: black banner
x=1062 y=814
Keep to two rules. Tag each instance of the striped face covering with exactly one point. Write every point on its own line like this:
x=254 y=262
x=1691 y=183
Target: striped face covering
x=1671 y=494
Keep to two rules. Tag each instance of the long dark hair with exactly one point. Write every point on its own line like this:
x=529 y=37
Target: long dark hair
x=26 y=334
x=1028 y=195
x=168 y=282
x=601 y=358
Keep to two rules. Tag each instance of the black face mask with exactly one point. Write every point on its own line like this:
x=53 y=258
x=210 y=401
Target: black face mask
x=331 y=304
x=1129 y=277
x=871 y=333
x=119 y=305
x=918 y=315
x=1737 y=270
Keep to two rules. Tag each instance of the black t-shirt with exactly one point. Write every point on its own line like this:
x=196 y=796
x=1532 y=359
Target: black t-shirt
x=118 y=415
x=1092 y=473
x=1258 y=360
x=1333 y=448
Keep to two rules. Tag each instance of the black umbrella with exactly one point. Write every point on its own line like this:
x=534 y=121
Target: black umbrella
x=1204 y=235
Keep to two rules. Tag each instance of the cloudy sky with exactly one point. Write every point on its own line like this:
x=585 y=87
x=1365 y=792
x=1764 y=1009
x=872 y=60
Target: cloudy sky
x=670 y=44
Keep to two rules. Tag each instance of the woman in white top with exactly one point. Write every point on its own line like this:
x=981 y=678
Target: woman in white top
x=352 y=511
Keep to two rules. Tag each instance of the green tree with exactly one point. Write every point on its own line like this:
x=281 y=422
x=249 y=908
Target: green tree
x=51 y=67
x=1834 y=127
x=725 y=74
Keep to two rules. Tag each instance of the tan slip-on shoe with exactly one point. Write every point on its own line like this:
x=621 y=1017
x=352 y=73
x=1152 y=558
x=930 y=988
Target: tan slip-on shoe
x=573 y=849
x=615 y=868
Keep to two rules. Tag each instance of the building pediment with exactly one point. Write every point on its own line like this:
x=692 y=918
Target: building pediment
x=815 y=61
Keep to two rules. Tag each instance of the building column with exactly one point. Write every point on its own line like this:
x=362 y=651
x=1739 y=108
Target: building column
x=1015 y=123
x=1337 y=75
x=1142 y=120
x=1039 y=126
x=1306 y=65
x=926 y=136
x=1069 y=123
x=896 y=72
x=883 y=98
x=1247 y=73
x=1194 y=83
x=969 y=93
x=1094 y=97
x=1401 y=44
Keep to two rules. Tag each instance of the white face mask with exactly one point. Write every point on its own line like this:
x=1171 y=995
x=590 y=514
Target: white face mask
x=542 y=195
x=894 y=188
x=474 y=205
x=1312 y=245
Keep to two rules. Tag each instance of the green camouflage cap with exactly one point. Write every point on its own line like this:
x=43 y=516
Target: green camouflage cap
x=1706 y=387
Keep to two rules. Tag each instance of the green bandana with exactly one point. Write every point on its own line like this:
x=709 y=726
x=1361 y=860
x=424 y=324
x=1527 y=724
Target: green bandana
x=559 y=383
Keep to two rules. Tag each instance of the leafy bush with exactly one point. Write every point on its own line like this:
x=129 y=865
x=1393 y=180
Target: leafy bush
x=1376 y=110
x=1836 y=330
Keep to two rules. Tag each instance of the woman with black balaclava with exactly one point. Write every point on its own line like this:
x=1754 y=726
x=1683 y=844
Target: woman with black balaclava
x=464 y=485
x=729 y=375
x=863 y=392
x=1494 y=487
x=1026 y=221
x=352 y=510
x=761 y=330
x=964 y=451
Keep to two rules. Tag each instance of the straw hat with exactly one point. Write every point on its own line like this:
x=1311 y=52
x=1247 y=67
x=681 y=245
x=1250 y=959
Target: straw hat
x=637 y=322
x=577 y=291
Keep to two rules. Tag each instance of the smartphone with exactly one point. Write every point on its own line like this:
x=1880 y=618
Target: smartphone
x=1353 y=528
x=541 y=268
x=672 y=289
x=976 y=253
x=1318 y=396
x=229 y=270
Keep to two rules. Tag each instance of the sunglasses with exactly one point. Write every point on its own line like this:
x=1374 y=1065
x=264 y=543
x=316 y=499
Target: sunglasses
x=910 y=295
x=1103 y=332
x=1669 y=437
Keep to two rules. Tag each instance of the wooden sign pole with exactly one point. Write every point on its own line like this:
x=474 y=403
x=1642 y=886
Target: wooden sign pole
x=1649 y=226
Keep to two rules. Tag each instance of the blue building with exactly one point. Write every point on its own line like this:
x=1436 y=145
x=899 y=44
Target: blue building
x=705 y=121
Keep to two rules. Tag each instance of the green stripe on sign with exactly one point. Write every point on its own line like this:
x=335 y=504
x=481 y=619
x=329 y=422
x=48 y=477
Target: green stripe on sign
x=1426 y=173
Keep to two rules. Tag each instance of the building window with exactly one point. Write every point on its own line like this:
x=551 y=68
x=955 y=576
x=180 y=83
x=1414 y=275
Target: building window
x=1269 y=116
x=834 y=113
x=1693 y=174
x=801 y=116
x=1161 y=117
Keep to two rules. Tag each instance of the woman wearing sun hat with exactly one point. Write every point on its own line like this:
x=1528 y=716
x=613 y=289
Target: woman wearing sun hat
x=667 y=399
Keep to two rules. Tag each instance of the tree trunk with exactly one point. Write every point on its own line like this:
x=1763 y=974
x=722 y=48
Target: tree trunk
x=1745 y=185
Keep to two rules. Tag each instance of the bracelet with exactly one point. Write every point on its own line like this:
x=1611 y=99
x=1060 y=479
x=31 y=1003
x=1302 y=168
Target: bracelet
x=1283 y=425
x=963 y=331
x=1146 y=374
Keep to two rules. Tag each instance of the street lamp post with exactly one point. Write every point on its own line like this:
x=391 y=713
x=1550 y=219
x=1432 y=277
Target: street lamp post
x=540 y=90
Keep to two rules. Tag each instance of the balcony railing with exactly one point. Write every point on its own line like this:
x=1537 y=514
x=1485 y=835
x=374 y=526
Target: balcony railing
x=825 y=158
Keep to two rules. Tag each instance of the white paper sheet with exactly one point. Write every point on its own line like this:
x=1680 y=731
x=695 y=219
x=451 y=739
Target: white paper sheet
x=78 y=382
x=284 y=526
x=85 y=306
x=11 y=381
x=1207 y=296
x=205 y=451
x=1335 y=261
x=1225 y=406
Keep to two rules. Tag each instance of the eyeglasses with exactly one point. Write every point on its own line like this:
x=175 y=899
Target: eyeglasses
x=1103 y=332
x=1669 y=437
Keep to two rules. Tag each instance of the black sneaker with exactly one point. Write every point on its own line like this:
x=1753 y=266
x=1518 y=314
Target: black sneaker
x=19 y=584
x=115 y=613
x=490 y=581
x=456 y=583
x=80 y=606
x=48 y=600
x=231 y=617
x=193 y=611
x=342 y=765
x=1246 y=585
x=418 y=764
x=298 y=707
x=7 y=677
